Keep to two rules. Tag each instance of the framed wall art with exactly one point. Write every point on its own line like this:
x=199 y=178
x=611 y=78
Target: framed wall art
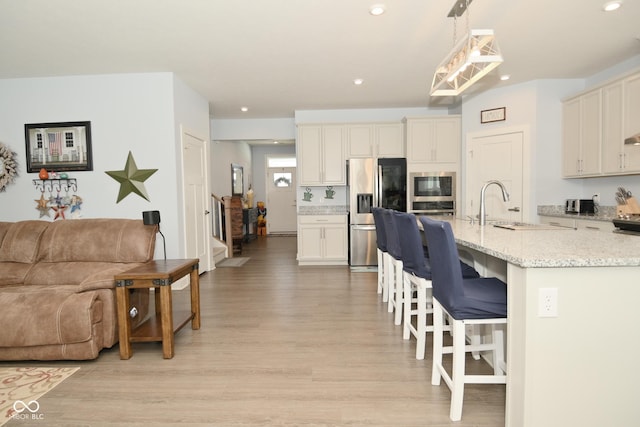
x=494 y=115
x=58 y=147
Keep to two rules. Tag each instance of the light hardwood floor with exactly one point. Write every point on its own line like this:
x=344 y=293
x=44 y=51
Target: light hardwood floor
x=280 y=345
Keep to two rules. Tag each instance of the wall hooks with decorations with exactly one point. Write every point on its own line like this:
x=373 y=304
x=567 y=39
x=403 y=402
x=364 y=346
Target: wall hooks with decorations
x=56 y=185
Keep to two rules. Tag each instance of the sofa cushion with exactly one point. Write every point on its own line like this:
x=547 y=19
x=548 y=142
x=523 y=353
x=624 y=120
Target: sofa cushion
x=13 y=273
x=80 y=276
x=4 y=227
x=61 y=317
x=21 y=241
x=102 y=240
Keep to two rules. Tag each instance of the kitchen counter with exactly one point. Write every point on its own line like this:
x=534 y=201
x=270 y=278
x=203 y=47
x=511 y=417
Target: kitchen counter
x=605 y=213
x=549 y=247
x=323 y=210
x=588 y=349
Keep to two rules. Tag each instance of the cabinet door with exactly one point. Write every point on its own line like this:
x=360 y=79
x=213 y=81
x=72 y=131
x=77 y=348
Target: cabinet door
x=612 y=139
x=595 y=225
x=309 y=149
x=558 y=221
x=335 y=242
x=333 y=156
x=360 y=141
x=591 y=137
x=446 y=141
x=419 y=140
x=571 y=138
x=310 y=242
x=632 y=120
x=389 y=139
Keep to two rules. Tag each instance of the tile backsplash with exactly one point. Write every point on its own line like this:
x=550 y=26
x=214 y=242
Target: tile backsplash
x=322 y=196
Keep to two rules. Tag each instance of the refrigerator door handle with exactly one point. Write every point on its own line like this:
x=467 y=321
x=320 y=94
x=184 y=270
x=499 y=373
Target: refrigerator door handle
x=367 y=227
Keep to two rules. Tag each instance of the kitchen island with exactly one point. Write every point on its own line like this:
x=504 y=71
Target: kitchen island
x=577 y=368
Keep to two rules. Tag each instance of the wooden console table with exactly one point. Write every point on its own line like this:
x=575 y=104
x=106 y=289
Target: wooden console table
x=159 y=274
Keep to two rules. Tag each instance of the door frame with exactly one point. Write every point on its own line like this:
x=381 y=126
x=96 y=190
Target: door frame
x=528 y=198
x=267 y=183
x=207 y=262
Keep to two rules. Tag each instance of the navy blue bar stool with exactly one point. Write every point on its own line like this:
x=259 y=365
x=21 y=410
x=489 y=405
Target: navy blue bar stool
x=480 y=301
x=393 y=268
x=381 y=244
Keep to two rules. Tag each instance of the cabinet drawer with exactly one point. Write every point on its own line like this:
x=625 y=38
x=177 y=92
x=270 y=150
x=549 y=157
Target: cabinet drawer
x=595 y=225
x=559 y=222
x=322 y=219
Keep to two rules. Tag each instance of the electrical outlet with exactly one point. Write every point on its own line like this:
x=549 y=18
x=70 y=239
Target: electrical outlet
x=548 y=302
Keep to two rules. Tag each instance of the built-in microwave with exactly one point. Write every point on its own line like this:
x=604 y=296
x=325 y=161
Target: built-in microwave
x=432 y=192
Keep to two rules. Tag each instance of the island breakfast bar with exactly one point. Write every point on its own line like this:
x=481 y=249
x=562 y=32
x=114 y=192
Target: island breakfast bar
x=579 y=367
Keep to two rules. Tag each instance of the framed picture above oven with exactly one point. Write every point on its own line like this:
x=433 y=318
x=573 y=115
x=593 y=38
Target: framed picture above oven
x=56 y=147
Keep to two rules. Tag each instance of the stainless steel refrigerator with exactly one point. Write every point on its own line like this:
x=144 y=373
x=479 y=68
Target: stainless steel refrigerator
x=372 y=182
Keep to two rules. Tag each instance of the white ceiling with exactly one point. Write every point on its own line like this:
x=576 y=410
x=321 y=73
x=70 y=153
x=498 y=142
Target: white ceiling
x=278 y=56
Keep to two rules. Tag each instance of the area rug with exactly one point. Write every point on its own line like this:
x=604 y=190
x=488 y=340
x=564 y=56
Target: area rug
x=233 y=262
x=20 y=389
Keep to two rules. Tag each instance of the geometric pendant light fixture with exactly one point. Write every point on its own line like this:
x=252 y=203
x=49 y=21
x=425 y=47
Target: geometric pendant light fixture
x=471 y=58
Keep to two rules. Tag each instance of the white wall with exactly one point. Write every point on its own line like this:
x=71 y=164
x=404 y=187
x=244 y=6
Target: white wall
x=365 y=115
x=128 y=112
x=191 y=114
x=223 y=154
x=537 y=105
x=248 y=129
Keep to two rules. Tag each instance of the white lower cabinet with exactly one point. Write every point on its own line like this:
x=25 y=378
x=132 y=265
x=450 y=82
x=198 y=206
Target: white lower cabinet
x=322 y=240
x=578 y=223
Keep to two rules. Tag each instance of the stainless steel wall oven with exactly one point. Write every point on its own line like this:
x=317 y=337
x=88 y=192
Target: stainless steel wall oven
x=432 y=192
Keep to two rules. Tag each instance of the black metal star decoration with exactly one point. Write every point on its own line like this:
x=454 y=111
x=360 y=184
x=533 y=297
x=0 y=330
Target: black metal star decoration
x=131 y=179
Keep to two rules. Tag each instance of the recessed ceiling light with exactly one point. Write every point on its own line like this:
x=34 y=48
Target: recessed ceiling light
x=377 y=9
x=244 y=109
x=275 y=142
x=505 y=77
x=612 y=5
x=358 y=82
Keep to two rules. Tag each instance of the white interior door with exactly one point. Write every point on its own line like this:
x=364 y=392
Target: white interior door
x=496 y=157
x=281 y=200
x=194 y=160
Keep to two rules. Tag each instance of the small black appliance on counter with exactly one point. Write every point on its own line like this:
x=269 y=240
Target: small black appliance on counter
x=580 y=206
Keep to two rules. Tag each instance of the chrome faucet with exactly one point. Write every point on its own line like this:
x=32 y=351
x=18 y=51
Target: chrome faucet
x=505 y=196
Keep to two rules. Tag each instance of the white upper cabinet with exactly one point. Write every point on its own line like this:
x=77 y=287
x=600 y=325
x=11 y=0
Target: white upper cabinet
x=613 y=159
x=582 y=135
x=631 y=121
x=433 y=139
x=375 y=140
x=595 y=125
x=361 y=143
x=320 y=150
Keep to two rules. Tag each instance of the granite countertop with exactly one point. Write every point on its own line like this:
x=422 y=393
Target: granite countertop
x=557 y=247
x=323 y=210
x=605 y=213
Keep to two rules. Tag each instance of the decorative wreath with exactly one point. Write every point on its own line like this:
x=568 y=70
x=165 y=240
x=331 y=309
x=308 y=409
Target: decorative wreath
x=8 y=166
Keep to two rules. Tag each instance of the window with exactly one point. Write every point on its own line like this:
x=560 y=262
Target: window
x=38 y=140
x=281 y=162
x=68 y=139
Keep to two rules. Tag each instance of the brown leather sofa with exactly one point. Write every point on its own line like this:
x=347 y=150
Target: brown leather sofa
x=57 y=293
